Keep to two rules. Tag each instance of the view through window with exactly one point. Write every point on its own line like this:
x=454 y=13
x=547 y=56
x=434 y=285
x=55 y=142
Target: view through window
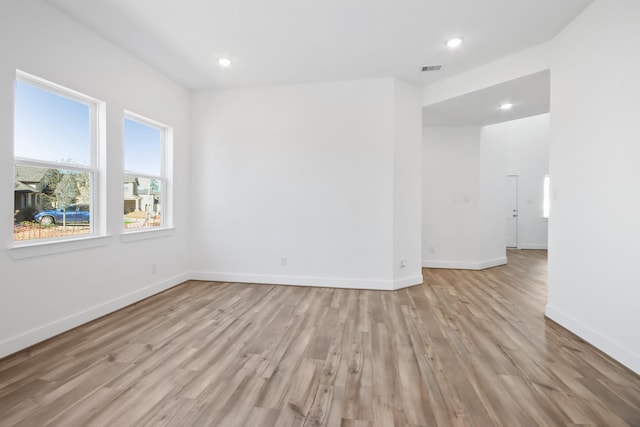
x=54 y=161
x=145 y=175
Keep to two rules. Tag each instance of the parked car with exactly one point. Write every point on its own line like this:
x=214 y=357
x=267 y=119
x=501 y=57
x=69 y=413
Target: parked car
x=75 y=214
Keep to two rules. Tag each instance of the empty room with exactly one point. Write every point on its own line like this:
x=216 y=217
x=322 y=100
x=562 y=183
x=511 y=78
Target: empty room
x=284 y=213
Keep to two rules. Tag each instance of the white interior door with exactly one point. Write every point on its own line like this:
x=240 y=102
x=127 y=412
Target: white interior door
x=512 y=211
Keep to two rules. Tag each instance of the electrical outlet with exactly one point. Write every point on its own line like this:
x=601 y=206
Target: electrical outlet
x=432 y=250
x=154 y=268
x=283 y=260
x=403 y=263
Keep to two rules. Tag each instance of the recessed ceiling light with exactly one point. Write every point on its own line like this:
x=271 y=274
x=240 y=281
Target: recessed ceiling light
x=506 y=106
x=453 y=43
x=225 y=62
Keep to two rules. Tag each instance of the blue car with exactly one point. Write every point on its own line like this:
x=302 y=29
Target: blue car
x=76 y=214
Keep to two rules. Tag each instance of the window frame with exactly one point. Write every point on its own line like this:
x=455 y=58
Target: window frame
x=166 y=206
x=546 y=197
x=95 y=168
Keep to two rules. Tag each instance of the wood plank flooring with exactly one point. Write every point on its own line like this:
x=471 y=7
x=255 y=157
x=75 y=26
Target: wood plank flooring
x=467 y=348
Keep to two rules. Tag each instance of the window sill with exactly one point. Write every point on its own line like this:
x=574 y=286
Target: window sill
x=50 y=247
x=151 y=233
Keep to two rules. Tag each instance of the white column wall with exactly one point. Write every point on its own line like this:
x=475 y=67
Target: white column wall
x=450 y=196
x=492 y=248
x=407 y=193
x=463 y=198
x=594 y=228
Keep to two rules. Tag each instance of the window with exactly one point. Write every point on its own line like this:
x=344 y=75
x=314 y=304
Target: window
x=546 y=203
x=55 y=161
x=145 y=179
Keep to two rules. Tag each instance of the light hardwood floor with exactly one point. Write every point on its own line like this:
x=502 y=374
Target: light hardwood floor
x=464 y=349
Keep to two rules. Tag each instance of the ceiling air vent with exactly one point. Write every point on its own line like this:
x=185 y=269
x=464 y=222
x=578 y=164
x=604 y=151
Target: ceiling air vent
x=432 y=68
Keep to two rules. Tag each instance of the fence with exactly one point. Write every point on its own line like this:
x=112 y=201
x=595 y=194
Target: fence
x=33 y=231
x=139 y=220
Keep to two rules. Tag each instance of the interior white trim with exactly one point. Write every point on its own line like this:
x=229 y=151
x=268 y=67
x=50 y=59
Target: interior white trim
x=323 y=282
x=57 y=327
x=492 y=263
x=618 y=352
x=533 y=246
x=408 y=282
x=146 y=233
x=465 y=265
x=36 y=248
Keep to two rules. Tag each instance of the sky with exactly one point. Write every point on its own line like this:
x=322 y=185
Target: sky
x=142 y=148
x=50 y=127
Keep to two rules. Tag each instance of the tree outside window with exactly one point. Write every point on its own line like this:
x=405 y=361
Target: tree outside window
x=55 y=160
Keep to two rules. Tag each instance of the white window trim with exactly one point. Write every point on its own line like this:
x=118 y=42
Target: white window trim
x=166 y=178
x=146 y=233
x=97 y=237
x=44 y=247
x=546 y=198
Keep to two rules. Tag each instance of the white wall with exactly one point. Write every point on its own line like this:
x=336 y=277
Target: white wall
x=595 y=176
x=492 y=249
x=42 y=296
x=450 y=195
x=527 y=155
x=304 y=172
x=407 y=195
x=462 y=195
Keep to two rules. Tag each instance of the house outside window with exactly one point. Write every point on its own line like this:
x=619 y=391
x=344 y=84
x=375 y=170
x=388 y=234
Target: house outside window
x=145 y=175
x=55 y=161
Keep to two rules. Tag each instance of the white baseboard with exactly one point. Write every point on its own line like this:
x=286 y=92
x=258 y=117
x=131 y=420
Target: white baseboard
x=533 y=246
x=324 y=282
x=492 y=263
x=407 y=282
x=618 y=352
x=52 y=329
x=465 y=265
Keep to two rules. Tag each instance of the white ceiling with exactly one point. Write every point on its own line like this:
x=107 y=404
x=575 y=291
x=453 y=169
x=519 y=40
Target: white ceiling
x=529 y=95
x=296 y=41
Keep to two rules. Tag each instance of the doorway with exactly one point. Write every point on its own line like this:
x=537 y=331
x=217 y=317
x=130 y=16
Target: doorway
x=512 y=211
